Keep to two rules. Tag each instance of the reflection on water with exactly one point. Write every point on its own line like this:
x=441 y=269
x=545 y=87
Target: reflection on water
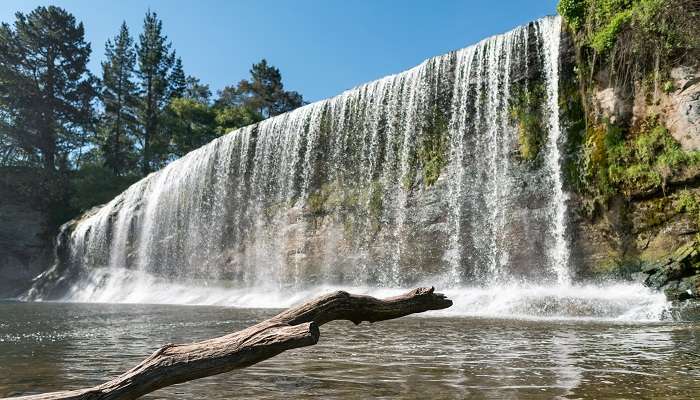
x=49 y=346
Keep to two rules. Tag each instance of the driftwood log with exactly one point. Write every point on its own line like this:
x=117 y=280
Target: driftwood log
x=293 y=328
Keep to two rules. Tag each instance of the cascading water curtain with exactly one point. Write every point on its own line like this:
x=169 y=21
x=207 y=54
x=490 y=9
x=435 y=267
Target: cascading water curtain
x=447 y=171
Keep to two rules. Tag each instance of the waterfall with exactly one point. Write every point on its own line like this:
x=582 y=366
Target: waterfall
x=559 y=249
x=416 y=177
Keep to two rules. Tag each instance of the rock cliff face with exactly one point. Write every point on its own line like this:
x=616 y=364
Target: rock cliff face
x=682 y=106
x=677 y=274
x=25 y=248
x=645 y=208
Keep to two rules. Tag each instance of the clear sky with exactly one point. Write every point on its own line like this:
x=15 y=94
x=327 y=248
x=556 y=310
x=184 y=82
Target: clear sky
x=322 y=47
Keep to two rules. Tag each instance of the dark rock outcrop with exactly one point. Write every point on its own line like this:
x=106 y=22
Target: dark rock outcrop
x=678 y=275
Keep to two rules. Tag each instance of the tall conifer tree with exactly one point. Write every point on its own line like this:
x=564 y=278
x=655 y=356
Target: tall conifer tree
x=154 y=63
x=120 y=98
x=265 y=93
x=46 y=91
x=177 y=80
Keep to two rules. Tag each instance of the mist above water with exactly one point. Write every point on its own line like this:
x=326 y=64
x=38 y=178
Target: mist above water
x=623 y=302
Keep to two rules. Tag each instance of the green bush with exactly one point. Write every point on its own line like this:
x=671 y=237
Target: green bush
x=656 y=27
x=644 y=160
x=94 y=185
x=604 y=38
x=526 y=111
x=432 y=151
x=573 y=11
x=687 y=201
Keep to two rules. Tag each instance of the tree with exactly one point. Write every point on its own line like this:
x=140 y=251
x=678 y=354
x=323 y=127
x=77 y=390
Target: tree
x=197 y=91
x=188 y=120
x=120 y=99
x=230 y=118
x=265 y=93
x=177 y=80
x=189 y=124
x=46 y=91
x=229 y=96
x=154 y=62
x=231 y=113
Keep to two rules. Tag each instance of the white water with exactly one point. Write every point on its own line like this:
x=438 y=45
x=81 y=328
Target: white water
x=332 y=195
x=559 y=249
x=622 y=302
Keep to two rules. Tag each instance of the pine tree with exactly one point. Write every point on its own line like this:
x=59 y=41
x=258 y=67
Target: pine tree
x=120 y=98
x=154 y=62
x=229 y=96
x=46 y=91
x=177 y=80
x=265 y=93
x=197 y=91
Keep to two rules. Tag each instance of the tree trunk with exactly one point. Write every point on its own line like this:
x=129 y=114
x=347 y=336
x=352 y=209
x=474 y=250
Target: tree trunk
x=293 y=328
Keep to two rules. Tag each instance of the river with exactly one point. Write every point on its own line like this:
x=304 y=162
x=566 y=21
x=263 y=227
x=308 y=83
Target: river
x=52 y=346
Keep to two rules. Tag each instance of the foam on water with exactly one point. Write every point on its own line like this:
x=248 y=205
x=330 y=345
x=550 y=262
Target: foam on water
x=627 y=302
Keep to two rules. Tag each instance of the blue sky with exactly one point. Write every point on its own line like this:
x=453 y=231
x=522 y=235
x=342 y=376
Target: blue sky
x=321 y=47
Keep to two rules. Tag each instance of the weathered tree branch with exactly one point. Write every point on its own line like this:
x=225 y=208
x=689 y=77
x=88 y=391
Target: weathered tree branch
x=293 y=328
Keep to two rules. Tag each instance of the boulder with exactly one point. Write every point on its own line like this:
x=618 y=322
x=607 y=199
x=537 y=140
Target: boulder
x=677 y=275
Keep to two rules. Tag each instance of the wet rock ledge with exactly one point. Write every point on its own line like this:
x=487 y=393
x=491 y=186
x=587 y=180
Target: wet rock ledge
x=677 y=275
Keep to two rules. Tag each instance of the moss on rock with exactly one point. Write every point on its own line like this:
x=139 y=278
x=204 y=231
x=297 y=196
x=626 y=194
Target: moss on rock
x=526 y=110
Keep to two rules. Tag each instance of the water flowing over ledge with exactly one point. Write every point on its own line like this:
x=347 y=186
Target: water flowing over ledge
x=427 y=173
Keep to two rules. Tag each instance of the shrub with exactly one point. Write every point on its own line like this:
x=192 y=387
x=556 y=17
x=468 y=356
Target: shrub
x=644 y=159
x=641 y=35
x=687 y=201
x=526 y=110
x=432 y=152
x=573 y=11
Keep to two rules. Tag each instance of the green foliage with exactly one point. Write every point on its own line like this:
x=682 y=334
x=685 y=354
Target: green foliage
x=336 y=196
x=655 y=30
x=604 y=38
x=573 y=122
x=178 y=80
x=189 y=124
x=432 y=151
x=151 y=111
x=688 y=201
x=264 y=93
x=376 y=199
x=668 y=87
x=526 y=110
x=644 y=159
x=349 y=200
x=573 y=11
x=155 y=61
x=230 y=118
x=94 y=185
x=46 y=91
x=74 y=192
x=407 y=179
x=118 y=128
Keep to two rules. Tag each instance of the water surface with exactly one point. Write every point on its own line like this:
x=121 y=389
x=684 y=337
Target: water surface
x=52 y=346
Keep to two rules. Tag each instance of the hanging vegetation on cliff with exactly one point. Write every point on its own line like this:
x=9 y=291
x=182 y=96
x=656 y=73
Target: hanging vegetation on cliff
x=634 y=37
x=628 y=46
